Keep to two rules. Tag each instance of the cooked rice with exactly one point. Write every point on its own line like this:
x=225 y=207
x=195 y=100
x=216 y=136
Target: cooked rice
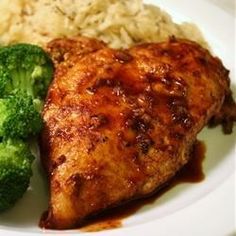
x=119 y=23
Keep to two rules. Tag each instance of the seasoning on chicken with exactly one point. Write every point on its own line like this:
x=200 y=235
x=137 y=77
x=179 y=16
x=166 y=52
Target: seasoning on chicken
x=120 y=124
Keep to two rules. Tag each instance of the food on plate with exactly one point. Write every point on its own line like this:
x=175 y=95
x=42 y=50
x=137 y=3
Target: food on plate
x=119 y=124
x=226 y=116
x=25 y=73
x=119 y=23
x=15 y=171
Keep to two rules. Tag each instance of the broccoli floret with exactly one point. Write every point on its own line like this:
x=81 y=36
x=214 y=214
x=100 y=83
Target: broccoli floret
x=19 y=116
x=15 y=171
x=25 y=73
x=26 y=68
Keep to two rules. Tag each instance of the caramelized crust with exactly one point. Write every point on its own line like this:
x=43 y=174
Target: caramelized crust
x=120 y=124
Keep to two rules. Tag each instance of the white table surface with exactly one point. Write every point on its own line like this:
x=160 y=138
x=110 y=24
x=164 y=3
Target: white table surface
x=227 y=5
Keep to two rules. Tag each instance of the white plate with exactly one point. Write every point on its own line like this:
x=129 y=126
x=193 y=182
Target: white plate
x=217 y=27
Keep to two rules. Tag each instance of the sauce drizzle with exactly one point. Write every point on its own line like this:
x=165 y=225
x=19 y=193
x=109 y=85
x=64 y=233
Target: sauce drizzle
x=191 y=173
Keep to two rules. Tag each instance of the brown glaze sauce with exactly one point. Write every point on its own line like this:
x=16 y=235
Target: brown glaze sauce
x=191 y=173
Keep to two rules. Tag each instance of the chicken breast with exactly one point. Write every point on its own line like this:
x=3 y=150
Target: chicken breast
x=119 y=124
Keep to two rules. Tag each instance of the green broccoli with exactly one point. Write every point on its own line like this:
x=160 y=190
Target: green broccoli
x=26 y=68
x=25 y=73
x=19 y=117
x=15 y=171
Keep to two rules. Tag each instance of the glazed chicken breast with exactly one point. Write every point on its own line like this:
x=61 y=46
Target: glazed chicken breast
x=119 y=124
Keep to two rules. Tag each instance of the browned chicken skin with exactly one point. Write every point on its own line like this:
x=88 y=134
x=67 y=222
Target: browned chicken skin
x=120 y=124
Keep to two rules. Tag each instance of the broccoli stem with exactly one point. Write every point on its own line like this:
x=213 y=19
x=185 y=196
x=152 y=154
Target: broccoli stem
x=23 y=81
